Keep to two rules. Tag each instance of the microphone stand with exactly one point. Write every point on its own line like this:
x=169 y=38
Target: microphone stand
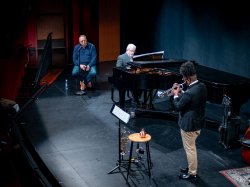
x=79 y=92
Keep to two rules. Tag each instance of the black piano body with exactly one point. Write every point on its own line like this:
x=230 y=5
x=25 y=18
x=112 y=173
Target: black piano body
x=166 y=72
x=147 y=76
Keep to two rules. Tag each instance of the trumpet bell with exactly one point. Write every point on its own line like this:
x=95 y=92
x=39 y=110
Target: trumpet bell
x=168 y=92
x=160 y=93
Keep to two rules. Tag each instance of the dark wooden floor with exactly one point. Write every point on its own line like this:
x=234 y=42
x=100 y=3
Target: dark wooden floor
x=77 y=139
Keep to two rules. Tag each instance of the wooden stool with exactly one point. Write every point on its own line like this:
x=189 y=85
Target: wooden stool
x=135 y=137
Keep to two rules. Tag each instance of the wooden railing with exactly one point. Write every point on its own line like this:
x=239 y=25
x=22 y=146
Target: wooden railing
x=33 y=75
x=46 y=60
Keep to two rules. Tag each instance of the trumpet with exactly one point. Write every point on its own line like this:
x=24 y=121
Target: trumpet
x=168 y=92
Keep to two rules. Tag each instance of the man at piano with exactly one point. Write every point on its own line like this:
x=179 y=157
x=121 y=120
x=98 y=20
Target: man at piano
x=191 y=106
x=122 y=61
x=126 y=57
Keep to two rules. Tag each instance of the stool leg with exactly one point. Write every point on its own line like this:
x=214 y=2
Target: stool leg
x=148 y=161
x=148 y=155
x=129 y=160
x=112 y=93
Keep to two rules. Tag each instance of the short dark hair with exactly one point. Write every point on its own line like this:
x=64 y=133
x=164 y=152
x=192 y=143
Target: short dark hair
x=187 y=69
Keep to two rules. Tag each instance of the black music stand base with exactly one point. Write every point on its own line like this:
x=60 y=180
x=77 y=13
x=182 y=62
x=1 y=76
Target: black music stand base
x=122 y=116
x=120 y=164
x=80 y=92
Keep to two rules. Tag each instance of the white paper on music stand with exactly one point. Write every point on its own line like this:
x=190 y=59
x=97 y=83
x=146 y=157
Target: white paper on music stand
x=119 y=113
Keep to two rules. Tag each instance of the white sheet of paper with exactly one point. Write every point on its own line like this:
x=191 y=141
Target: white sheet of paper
x=122 y=115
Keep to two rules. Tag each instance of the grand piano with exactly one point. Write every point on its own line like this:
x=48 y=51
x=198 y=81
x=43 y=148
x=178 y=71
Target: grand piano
x=150 y=73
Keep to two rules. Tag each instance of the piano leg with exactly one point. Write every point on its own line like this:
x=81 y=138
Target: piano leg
x=136 y=96
x=122 y=98
x=112 y=93
x=148 y=99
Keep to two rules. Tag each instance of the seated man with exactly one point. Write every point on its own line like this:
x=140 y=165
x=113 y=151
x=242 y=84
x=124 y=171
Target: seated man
x=84 y=59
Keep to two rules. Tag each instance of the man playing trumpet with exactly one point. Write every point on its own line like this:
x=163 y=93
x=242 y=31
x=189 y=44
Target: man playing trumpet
x=191 y=106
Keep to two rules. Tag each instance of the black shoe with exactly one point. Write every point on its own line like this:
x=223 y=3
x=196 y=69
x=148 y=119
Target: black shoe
x=184 y=170
x=187 y=176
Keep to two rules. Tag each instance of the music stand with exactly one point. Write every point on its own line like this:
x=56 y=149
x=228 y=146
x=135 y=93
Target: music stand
x=124 y=117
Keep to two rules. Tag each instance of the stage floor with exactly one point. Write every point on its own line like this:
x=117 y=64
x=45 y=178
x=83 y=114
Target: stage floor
x=77 y=139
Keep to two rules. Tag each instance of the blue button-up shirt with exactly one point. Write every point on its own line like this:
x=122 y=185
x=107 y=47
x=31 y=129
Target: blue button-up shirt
x=87 y=55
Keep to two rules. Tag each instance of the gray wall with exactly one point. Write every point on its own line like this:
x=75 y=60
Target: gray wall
x=214 y=34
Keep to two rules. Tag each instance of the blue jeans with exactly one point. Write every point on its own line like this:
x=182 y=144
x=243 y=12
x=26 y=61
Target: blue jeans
x=85 y=76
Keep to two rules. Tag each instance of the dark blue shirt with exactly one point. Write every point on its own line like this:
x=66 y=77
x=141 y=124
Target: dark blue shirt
x=87 y=55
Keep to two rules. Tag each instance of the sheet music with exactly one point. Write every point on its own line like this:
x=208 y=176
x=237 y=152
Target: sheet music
x=119 y=113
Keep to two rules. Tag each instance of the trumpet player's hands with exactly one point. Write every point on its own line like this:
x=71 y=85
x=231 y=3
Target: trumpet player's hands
x=176 y=89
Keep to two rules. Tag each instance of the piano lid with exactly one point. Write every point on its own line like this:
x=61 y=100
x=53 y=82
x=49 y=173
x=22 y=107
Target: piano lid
x=149 y=56
x=154 y=60
x=157 y=63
